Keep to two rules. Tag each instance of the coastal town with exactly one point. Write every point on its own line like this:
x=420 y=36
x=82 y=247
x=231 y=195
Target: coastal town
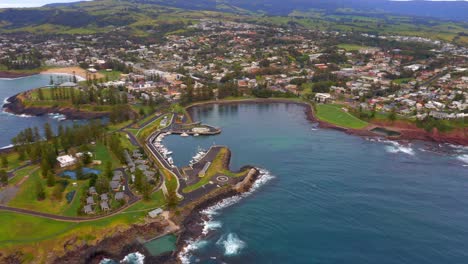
x=113 y=172
x=415 y=77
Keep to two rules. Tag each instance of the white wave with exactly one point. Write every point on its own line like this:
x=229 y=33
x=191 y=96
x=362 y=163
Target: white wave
x=458 y=148
x=211 y=225
x=231 y=244
x=192 y=245
x=134 y=258
x=463 y=158
x=396 y=147
x=9 y=146
x=107 y=261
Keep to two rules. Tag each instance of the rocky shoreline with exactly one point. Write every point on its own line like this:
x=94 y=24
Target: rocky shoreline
x=192 y=227
x=15 y=106
x=14 y=75
x=117 y=246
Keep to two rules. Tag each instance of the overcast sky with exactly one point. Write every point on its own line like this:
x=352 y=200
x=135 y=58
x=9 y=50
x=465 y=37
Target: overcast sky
x=29 y=3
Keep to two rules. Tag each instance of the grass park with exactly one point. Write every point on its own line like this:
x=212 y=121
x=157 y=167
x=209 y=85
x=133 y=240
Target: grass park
x=334 y=114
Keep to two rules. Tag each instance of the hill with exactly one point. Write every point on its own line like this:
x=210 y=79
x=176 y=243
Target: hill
x=144 y=17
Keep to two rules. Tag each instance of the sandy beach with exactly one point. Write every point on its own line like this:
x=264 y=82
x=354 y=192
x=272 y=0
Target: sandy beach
x=70 y=70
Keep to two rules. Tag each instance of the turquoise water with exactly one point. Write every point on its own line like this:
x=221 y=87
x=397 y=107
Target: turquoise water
x=72 y=174
x=161 y=245
x=10 y=124
x=328 y=197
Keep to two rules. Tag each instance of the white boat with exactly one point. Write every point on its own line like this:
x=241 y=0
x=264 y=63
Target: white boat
x=196 y=135
x=184 y=135
x=170 y=160
x=168 y=152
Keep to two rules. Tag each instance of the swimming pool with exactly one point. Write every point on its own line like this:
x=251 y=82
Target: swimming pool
x=72 y=174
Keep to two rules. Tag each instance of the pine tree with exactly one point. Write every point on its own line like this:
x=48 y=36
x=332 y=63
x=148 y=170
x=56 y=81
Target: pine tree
x=50 y=179
x=40 y=193
x=3 y=177
x=4 y=161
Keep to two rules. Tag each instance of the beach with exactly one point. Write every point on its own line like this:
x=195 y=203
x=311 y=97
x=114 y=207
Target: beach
x=79 y=72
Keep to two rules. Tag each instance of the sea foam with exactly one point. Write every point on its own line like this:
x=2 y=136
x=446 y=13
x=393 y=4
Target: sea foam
x=463 y=158
x=395 y=147
x=232 y=244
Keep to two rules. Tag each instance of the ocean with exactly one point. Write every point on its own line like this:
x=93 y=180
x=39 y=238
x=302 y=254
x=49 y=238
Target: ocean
x=328 y=197
x=11 y=124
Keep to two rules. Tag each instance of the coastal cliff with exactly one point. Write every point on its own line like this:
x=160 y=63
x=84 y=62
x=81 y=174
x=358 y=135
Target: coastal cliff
x=15 y=106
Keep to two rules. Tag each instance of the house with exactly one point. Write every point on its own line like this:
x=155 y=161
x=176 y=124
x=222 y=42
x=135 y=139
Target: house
x=104 y=206
x=119 y=196
x=155 y=212
x=104 y=197
x=66 y=160
x=90 y=200
x=92 y=191
x=323 y=97
x=88 y=209
x=115 y=185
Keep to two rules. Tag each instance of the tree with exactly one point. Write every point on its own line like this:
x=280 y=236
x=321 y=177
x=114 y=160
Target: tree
x=40 y=94
x=102 y=184
x=172 y=199
x=40 y=193
x=49 y=134
x=392 y=115
x=3 y=177
x=50 y=179
x=79 y=171
x=4 y=161
x=146 y=190
x=45 y=167
x=108 y=171
x=139 y=178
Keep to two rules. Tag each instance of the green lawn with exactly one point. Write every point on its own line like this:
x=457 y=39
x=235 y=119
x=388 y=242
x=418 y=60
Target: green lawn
x=335 y=115
x=215 y=167
x=13 y=161
x=102 y=153
x=27 y=197
x=351 y=47
x=403 y=80
x=21 y=173
x=111 y=76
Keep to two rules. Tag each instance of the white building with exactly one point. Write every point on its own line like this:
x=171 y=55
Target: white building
x=66 y=160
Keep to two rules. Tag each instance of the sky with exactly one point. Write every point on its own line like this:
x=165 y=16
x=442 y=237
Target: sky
x=34 y=3
x=30 y=3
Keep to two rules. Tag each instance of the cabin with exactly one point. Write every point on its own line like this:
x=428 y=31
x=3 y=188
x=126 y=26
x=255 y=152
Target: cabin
x=104 y=206
x=115 y=185
x=90 y=200
x=104 y=197
x=92 y=190
x=119 y=196
x=88 y=209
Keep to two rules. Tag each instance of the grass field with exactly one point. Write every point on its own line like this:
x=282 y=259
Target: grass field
x=27 y=197
x=351 y=47
x=335 y=115
x=111 y=76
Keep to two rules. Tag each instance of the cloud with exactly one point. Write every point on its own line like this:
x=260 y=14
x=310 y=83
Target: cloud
x=31 y=3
